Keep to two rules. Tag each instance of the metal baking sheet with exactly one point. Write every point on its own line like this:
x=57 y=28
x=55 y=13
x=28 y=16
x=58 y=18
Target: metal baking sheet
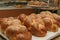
x=56 y=38
x=3 y=37
x=49 y=36
x=34 y=6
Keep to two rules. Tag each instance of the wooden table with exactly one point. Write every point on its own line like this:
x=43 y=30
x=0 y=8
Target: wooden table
x=11 y=11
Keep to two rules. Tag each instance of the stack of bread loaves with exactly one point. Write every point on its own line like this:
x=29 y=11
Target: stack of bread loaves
x=14 y=30
x=39 y=24
x=37 y=3
x=21 y=27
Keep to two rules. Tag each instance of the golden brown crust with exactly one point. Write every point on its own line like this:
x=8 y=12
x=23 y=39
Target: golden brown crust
x=50 y=24
x=22 y=18
x=4 y=24
x=24 y=36
x=57 y=18
x=44 y=14
x=38 y=30
x=9 y=21
x=49 y=20
x=18 y=32
x=35 y=25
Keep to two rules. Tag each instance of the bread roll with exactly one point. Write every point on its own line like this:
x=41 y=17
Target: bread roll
x=44 y=14
x=57 y=18
x=30 y=20
x=38 y=30
x=9 y=21
x=22 y=18
x=16 y=22
x=33 y=16
x=50 y=25
x=39 y=19
x=5 y=23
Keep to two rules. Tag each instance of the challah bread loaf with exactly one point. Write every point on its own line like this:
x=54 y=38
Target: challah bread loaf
x=17 y=32
x=35 y=25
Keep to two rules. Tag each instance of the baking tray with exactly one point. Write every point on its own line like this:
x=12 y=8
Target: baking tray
x=49 y=36
x=56 y=38
x=3 y=37
x=34 y=6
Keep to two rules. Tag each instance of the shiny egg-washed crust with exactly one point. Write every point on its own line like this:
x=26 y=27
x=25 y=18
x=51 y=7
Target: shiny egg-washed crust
x=44 y=14
x=24 y=36
x=5 y=23
x=35 y=26
x=22 y=18
x=18 y=32
x=38 y=30
x=57 y=18
x=9 y=21
x=50 y=25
